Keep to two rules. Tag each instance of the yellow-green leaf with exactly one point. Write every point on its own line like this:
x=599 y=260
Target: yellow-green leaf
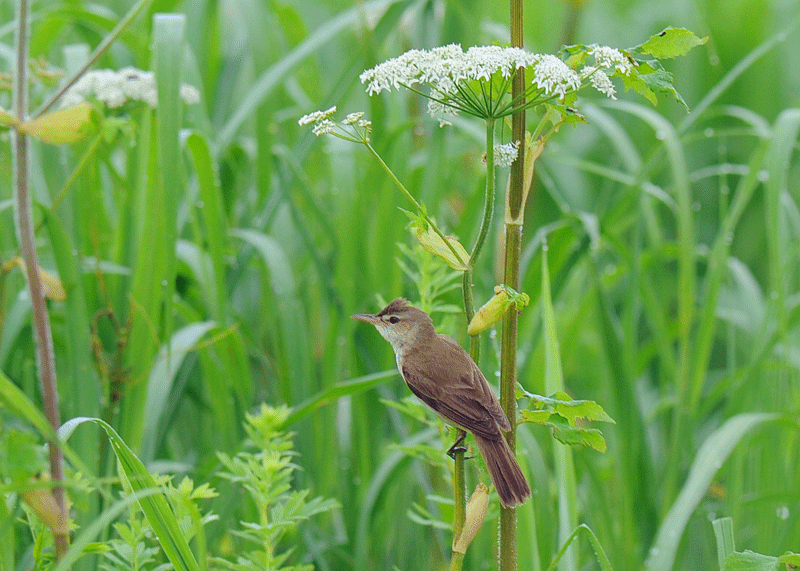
x=66 y=125
x=433 y=243
x=6 y=118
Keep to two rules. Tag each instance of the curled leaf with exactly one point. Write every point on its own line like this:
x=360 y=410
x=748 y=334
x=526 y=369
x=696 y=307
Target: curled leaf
x=7 y=119
x=44 y=505
x=66 y=125
x=433 y=243
x=477 y=505
x=53 y=288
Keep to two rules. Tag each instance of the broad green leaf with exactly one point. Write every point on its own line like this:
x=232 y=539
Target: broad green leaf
x=671 y=43
x=156 y=508
x=571 y=409
x=750 y=561
x=576 y=435
x=536 y=416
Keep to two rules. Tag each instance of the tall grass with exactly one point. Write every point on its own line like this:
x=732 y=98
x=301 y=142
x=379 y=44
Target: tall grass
x=211 y=262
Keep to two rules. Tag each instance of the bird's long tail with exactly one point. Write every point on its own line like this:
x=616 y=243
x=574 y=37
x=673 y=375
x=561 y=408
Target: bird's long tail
x=506 y=474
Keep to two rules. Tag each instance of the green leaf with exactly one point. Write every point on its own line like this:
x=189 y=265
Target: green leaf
x=671 y=43
x=750 y=561
x=66 y=125
x=791 y=560
x=156 y=509
x=537 y=416
x=723 y=531
x=571 y=435
x=570 y=409
x=710 y=457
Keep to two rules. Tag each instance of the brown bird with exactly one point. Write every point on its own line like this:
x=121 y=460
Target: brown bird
x=438 y=370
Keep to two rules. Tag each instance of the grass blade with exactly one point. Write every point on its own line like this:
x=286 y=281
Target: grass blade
x=712 y=454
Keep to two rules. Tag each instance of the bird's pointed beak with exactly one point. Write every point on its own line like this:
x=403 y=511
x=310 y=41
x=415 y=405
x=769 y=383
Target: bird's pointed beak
x=366 y=318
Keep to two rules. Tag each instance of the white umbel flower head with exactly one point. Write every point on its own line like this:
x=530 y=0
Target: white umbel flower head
x=554 y=77
x=600 y=81
x=352 y=128
x=609 y=58
x=115 y=88
x=506 y=154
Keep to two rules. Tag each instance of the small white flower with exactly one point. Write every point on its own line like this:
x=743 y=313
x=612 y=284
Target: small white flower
x=324 y=127
x=506 y=154
x=353 y=118
x=440 y=111
x=609 y=58
x=554 y=76
x=115 y=88
x=600 y=81
x=316 y=116
x=189 y=94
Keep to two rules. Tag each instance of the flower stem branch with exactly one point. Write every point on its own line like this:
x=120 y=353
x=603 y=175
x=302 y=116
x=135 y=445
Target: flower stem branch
x=96 y=54
x=416 y=204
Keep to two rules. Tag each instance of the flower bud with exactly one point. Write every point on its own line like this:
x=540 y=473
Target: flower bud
x=494 y=309
x=476 y=513
x=491 y=312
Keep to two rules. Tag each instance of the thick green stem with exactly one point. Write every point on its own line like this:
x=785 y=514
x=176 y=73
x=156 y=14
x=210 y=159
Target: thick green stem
x=459 y=483
x=515 y=202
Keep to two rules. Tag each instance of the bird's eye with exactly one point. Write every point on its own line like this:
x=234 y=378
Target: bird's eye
x=394 y=319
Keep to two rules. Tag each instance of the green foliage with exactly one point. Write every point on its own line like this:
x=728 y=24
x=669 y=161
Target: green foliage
x=671 y=247
x=568 y=412
x=266 y=475
x=732 y=560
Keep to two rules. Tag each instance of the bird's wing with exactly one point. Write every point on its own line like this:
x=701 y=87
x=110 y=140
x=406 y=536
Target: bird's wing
x=465 y=399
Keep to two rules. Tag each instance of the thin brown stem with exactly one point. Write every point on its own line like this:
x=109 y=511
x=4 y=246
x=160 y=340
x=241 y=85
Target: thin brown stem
x=45 y=355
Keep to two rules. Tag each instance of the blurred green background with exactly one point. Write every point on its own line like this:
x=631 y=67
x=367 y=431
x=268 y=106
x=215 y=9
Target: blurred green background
x=672 y=245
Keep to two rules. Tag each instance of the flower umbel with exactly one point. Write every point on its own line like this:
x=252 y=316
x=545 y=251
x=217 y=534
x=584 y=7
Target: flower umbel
x=353 y=128
x=506 y=154
x=114 y=88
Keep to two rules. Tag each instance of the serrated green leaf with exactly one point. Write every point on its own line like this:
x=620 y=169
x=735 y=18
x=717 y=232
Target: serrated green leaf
x=636 y=83
x=657 y=80
x=791 y=560
x=570 y=409
x=750 y=561
x=537 y=416
x=671 y=43
x=577 y=436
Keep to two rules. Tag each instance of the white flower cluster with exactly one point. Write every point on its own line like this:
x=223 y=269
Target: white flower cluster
x=321 y=120
x=505 y=154
x=353 y=127
x=444 y=67
x=554 y=76
x=114 y=88
x=607 y=57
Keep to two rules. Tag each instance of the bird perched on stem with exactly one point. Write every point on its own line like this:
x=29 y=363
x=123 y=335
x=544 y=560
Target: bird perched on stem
x=443 y=375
